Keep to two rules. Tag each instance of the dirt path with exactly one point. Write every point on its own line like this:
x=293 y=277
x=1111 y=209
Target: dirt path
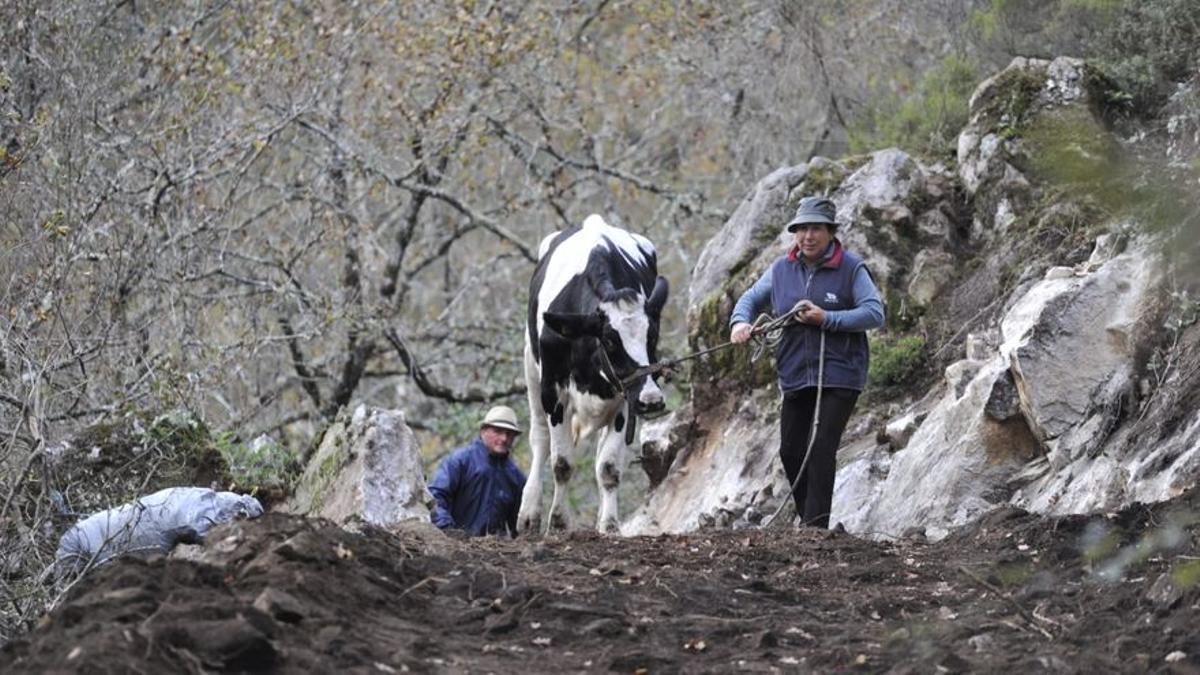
x=1017 y=593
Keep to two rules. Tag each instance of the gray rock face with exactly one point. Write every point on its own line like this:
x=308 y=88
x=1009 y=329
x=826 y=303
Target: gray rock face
x=991 y=147
x=1046 y=385
x=1183 y=125
x=1004 y=403
x=756 y=222
x=1070 y=340
x=932 y=270
x=875 y=209
x=722 y=473
x=366 y=467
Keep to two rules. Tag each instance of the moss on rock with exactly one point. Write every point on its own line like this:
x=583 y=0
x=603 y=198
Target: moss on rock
x=727 y=366
x=115 y=462
x=826 y=175
x=331 y=455
x=1005 y=106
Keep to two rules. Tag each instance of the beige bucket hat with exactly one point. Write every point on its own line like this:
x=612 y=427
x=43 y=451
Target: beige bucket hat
x=501 y=417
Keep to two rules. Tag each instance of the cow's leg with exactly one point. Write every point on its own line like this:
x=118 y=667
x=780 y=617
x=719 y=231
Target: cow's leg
x=610 y=464
x=529 y=519
x=562 y=462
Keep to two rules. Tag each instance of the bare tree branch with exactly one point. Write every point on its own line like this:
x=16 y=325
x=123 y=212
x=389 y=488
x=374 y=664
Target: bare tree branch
x=435 y=390
x=299 y=363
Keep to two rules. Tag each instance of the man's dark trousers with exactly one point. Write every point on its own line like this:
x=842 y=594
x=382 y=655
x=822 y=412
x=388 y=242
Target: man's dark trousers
x=814 y=492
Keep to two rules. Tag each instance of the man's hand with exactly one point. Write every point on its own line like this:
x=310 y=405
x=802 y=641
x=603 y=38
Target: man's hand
x=740 y=332
x=810 y=313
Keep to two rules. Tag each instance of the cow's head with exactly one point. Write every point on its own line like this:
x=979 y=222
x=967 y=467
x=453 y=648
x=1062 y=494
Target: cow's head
x=625 y=326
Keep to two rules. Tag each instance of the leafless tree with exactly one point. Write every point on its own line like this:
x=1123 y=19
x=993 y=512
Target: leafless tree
x=264 y=211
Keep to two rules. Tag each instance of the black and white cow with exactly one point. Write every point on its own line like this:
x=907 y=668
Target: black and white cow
x=596 y=287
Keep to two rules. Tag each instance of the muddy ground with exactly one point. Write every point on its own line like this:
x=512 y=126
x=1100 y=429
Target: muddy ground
x=1015 y=593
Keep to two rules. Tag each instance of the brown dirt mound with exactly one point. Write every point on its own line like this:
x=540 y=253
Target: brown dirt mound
x=1014 y=593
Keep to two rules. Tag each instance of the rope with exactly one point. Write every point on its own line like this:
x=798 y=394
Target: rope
x=812 y=437
x=765 y=331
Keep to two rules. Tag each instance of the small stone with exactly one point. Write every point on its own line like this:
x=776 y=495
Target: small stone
x=984 y=642
x=1164 y=593
x=766 y=640
x=280 y=605
x=1175 y=657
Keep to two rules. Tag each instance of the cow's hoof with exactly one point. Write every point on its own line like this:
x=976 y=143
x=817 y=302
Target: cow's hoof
x=558 y=522
x=529 y=524
x=609 y=526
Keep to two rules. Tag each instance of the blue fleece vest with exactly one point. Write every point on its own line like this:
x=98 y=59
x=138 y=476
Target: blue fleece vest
x=830 y=287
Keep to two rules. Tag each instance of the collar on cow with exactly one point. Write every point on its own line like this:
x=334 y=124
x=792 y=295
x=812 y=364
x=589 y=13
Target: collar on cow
x=833 y=255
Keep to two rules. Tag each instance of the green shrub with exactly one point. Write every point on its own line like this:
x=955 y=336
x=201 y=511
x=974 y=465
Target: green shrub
x=1143 y=46
x=925 y=121
x=896 y=362
x=1148 y=46
x=267 y=465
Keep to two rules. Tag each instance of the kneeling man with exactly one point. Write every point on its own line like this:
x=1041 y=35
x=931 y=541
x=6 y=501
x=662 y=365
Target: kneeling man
x=478 y=487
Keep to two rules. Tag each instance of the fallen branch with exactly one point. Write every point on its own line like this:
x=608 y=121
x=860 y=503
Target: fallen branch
x=420 y=584
x=1029 y=618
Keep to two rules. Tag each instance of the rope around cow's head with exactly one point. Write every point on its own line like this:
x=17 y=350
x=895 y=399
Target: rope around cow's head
x=765 y=332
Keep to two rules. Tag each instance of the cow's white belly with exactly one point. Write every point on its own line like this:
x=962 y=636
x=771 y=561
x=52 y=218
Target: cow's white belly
x=588 y=412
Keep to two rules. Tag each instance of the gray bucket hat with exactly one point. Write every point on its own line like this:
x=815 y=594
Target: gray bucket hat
x=814 y=210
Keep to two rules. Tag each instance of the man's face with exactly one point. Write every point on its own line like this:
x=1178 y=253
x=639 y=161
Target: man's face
x=498 y=441
x=813 y=239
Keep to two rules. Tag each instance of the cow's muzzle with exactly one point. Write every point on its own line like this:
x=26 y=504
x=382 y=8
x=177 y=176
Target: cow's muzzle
x=649 y=401
x=647 y=404
x=649 y=409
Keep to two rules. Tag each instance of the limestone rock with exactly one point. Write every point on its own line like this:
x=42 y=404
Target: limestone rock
x=960 y=373
x=1004 y=403
x=932 y=269
x=898 y=431
x=1069 y=341
x=367 y=467
x=991 y=149
x=755 y=224
x=657 y=451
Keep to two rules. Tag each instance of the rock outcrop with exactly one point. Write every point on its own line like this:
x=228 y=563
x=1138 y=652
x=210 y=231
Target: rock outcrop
x=367 y=467
x=1060 y=305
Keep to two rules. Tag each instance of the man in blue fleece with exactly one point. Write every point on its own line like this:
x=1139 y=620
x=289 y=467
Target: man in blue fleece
x=478 y=487
x=840 y=304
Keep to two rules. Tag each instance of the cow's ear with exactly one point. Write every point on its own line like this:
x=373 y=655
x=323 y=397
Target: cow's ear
x=572 y=326
x=658 y=297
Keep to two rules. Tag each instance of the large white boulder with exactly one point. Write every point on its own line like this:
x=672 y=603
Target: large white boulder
x=368 y=468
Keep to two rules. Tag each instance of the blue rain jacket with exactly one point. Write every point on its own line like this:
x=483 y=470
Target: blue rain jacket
x=477 y=491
